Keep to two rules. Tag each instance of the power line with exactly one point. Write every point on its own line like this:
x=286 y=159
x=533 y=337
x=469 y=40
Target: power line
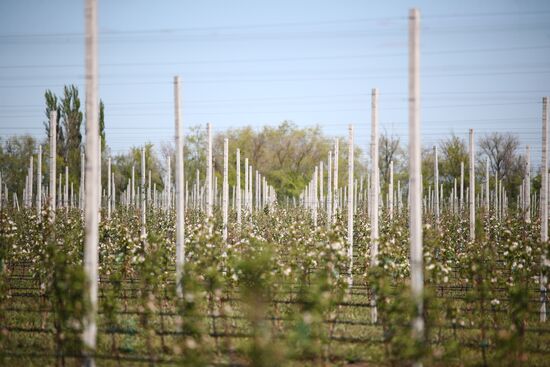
x=281 y=24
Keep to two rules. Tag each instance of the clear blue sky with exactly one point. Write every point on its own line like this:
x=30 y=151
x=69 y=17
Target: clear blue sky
x=484 y=65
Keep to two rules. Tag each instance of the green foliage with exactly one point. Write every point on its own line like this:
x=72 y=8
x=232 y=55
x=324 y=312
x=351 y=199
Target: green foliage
x=275 y=292
x=15 y=153
x=102 y=126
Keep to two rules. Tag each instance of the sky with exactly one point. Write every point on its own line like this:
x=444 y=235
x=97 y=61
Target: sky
x=484 y=65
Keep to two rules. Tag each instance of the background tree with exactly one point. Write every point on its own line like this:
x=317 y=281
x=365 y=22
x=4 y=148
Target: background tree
x=285 y=154
x=452 y=152
x=71 y=119
x=122 y=168
x=389 y=150
x=102 y=127
x=504 y=159
x=15 y=153
x=52 y=104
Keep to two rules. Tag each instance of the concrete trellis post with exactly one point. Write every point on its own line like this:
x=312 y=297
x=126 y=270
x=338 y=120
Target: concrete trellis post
x=527 y=199
x=461 y=206
x=257 y=189
x=25 y=190
x=415 y=164
x=168 y=188
x=38 y=183
x=375 y=190
x=180 y=213
x=91 y=215
x=133 y=184
x=127 y=194
x=66 y=191
x=329 y=190
x=209 y=191
x=82 y=178
x=390 y=192
x=350 y=204
x=375 y=182
x=198 y=190
x=436 y=184
x=238 y=188
x=544 y=205
x=495 y=194
x=335 y=185
x=225 y=186
x=472 y=188
x=113 y=192
x=246 y=189
x=321 y=188
x=186 y=196
x=314 y=196
x=60 y=190
x=487 y=193
x=53 y=150
x=399 y=203
x=250 y=186
x=109 y=188
x=149 y=188
x=142 y=195
x=31 y=181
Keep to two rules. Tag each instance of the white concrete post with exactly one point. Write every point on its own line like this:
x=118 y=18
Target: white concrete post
x=350 y=204
x=544 y=204
x=329 y=190
x=314 y=196
x=238 y=188
x=209 y=190
x=38 y=183
x=527 y=199
x=143 y=199
x=375 y=191
x=246 y=189
x=82 y=178
x=436 y=184
x=250 y=198
x=66 y=189
x=109 y=192
x=180 y=213
x=113 y=192
x=53 y=150
x=92 y=196
x=461 y=206
x=487 y=193
x=415 y=165
x=149 y=188
x=168 y=188
x=133 y=184
x=375 y=182
x=225 y=186
x=321 y=188
x=335 y=185
x=390 y=191
x=472 y=188
x=31 y=181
